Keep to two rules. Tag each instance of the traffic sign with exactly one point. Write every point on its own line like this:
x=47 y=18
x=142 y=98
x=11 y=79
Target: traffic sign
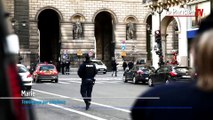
x=123 y=47
x=79 y=53
x=123 y=41
x=123 y=54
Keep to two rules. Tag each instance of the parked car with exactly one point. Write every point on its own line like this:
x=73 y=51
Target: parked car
x=25 y=76
x=139 y=73
x=100 y=66
x=45 y=71
x=140 y=61
x=169 y=74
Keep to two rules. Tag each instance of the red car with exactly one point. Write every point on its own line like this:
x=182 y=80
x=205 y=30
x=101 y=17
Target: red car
x=45 y=72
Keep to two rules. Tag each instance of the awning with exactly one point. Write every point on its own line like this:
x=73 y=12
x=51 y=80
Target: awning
x=191 y=33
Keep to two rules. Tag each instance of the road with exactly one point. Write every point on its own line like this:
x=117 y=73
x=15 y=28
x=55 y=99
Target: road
x=112 y=98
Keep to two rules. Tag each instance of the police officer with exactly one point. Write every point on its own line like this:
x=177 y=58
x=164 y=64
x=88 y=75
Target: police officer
x=87 y=72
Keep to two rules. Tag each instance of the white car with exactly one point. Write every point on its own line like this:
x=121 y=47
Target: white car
x=100 y=66
x=25 y=76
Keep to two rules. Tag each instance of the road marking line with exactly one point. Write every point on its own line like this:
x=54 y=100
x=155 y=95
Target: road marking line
x=97 y=82
x=74 y=82
x=64 y=82
x=98 y=79
x=114 y=82
x=62 y=96
x=77 y=79
x=74 y=111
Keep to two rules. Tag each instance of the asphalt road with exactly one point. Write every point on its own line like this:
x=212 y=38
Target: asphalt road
x=112 y=98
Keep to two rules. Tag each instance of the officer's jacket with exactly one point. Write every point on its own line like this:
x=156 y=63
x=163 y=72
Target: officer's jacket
x=87 y=70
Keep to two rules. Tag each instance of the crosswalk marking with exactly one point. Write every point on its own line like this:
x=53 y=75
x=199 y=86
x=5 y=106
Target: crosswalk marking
x=67 y=82
x=97 y=82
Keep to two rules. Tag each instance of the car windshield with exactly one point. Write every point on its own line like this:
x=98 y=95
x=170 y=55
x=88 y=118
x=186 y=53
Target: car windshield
x=22 y=69
x=183 y=70
x=146 y=71
x=97 y=62
x=47 y=67
x=140 y=67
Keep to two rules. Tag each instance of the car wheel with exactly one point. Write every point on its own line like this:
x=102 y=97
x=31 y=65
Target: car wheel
x=167 y=81
x=124 y=79
x=143 y=82
x=56 y=80
x=150 y=82
x=134 y=80
x=38 y=80
x=28 y=87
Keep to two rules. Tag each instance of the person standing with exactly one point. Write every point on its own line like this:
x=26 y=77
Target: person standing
x=114 y=68
x=62 y=66
x=87 y=72
x=124 y=65
x=184 y=101
x=67 y=66
x=130 y=65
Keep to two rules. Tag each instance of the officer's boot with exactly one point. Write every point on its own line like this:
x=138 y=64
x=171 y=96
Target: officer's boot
x=87 y=104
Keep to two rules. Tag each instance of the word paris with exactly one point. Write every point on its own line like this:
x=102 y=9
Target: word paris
x=185 y=12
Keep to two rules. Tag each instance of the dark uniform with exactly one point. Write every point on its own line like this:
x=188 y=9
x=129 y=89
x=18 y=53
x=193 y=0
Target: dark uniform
x=130 y=65
x=62 y=67
x=87 y=72
x=114 y=67
x=67 y=66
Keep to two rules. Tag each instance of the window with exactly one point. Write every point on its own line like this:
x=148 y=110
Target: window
x=22 y=69
x=97 y=62
x=47 y=67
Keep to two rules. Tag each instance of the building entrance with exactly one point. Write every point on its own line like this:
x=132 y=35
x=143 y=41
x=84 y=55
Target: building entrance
x=49 y=27
x=105 y=45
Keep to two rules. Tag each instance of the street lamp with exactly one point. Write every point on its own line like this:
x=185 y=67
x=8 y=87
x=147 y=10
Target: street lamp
x=16 y=25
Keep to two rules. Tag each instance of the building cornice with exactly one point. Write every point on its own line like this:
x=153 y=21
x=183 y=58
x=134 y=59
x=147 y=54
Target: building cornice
x=196 y=2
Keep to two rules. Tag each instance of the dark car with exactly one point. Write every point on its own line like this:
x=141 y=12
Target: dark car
x=45 y=72
x=138 y=73
x=169 y=74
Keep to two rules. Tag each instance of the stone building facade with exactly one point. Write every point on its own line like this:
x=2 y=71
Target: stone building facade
x=121 y=12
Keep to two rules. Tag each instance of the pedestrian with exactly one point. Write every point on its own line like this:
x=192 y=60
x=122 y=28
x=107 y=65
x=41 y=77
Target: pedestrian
x=114 y=68
x=184 y=101
x=62 y=67
x=130 y=65
x=67 y=66
x=124 y=65
x=87 y=72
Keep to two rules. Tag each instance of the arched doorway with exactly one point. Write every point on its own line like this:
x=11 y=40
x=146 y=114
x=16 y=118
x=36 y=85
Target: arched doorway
x=104 y=33
x=49 y=27
x=148 y=39
x=170 y=36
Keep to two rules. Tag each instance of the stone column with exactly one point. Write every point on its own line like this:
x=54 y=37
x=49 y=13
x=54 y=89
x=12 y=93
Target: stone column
x=183 y=43
x=34 y=41
x=164 y=46
x=155 y=26
x=140 y=43
x=119 y=36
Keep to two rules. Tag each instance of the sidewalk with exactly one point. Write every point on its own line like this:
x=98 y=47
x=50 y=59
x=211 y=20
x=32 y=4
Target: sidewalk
x=72 y=71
